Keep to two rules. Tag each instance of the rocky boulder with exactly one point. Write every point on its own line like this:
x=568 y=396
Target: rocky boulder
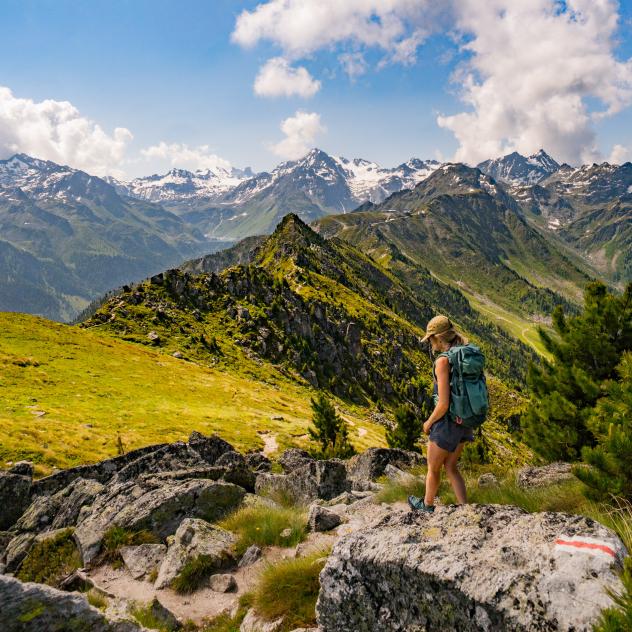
x=61 y=509
x=551 y=474
x=472 y=567
x=293 y=458
x=196 y=538
x=15 y=495
x=157 y=505
x=372 y=463
x=313 y=480
x=322 y=519
x=143 y=559
x=258 y=462
x=28 y=607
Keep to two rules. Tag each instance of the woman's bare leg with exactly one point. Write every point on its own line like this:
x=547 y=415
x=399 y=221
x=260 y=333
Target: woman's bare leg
x=454 y=475
x=436 y=459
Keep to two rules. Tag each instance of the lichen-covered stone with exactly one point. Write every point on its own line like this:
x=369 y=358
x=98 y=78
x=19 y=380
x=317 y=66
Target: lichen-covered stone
x=469 y=568
x=28 y=607
x=315 y=479
x=15 y=491
x=551 y=474
x=195 y=538
x=61 y=509
x=321 y=519
x=371 y=464
x=156 y=505
x=143 y=559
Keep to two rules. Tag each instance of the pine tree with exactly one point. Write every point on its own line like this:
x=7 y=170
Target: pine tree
x=407 y=430
x=586 y=349
x=329 y=429
x=610 y=473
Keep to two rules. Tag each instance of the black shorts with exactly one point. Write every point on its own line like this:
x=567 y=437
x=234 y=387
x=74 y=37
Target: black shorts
x=448 y=435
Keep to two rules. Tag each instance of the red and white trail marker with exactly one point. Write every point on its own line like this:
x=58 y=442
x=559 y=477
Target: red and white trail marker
x=591 y=546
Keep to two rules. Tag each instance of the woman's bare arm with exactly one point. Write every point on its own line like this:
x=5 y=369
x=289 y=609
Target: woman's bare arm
x=442 y=371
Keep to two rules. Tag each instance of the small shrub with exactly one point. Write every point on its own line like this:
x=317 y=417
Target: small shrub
x=263 y=526
x=407 y=430
x=329 y=429
x=51 y=560
x=289 y=589
x=117 y=537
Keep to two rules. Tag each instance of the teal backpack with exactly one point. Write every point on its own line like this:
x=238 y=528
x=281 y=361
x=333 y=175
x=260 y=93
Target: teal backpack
x=469 y=400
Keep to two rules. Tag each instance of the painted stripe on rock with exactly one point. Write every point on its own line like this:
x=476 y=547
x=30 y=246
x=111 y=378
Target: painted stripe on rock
x=586 y=545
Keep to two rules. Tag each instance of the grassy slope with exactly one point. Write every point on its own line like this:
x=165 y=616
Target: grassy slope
x=92 y=386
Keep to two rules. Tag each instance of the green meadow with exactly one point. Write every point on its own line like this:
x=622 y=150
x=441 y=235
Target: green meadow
x=67 y=395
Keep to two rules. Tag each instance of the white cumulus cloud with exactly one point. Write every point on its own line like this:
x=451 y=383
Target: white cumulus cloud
x=619 y=155
x=301 y=130
x=56 y=130
x=185 y=157
x=277 y=78
x=535 y=71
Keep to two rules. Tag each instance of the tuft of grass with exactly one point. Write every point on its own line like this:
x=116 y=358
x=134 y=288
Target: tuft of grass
x=97 y=599
x=146 y=616
x=289 y=589
x=566 y=496
x=153 y=576
x=117 y=537
x=263 y=526
x=225 y=622
x=195 y=572
x=51 y=560
x=398 y=491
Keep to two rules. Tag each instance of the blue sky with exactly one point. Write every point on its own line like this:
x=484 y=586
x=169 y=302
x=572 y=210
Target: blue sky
x=169 y=72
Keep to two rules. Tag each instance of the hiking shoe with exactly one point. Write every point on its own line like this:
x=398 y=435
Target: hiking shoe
x=418 y=504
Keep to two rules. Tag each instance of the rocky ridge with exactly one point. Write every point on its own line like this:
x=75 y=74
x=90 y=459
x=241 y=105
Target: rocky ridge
x=463 y=568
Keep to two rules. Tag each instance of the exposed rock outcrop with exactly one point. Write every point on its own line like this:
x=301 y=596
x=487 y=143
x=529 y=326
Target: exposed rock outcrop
x=467 y=568
x=28 y=607
x=322 y=519
x=155 y=505
x=15 y=490
x=371 y=464
x=143 y=559
x=551 y=474
x=194 y=539
x=314 y=479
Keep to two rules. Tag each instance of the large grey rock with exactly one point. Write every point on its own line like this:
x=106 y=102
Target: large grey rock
x=294 y=458
x=23 y=468
x=195 y=538
x=467 y=568
x=15 y=492
x=252 y=554
x=28 y=607
x=143 y=559
x=199 y=451
x=551 y=474
x=17 y=550
x=321 y=519
x=61 y=509
x=156 y=505
x=371 y=464
x=315 y=479
x=258 y=461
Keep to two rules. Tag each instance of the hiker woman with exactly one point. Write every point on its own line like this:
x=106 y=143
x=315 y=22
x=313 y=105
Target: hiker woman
x=446 y=435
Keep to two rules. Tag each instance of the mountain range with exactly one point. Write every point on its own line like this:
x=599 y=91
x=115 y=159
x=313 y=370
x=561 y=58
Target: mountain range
x=518 y=233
